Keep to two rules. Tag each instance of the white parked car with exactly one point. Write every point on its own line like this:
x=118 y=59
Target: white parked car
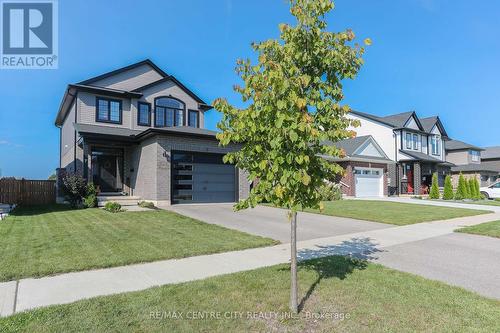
x=492 y=191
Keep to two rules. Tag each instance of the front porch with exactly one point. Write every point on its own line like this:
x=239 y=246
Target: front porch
x=415 y=177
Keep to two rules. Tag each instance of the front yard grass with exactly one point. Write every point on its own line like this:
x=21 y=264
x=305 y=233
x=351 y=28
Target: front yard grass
x=491 y=229
x=392 y=212
x=45 y=240
x=352 y=295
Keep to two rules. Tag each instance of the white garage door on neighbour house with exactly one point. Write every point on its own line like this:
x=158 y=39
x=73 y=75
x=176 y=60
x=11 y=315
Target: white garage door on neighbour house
x=369 y=182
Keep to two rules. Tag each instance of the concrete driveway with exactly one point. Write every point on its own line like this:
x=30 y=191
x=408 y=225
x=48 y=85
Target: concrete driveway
x=272 y=222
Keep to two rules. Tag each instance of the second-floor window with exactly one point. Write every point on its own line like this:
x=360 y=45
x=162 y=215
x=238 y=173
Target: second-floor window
x=435 y=144
x=475 y=155
x=408 y=140
x=193 y=118
x=143 y=114
x=108 y=110
x=168 y=112
x=416 y=141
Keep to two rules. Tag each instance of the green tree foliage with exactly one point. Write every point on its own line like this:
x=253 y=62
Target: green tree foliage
x=448 y=189
x=293 y=95
x=434 y=193
x=461 y=192
x=477 y=189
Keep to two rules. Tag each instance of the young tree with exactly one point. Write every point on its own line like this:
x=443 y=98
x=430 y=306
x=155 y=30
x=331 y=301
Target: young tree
x=477 y=189
x=448 y=189
x=471 y=189
x=461 y=192
x=434 y=193
x=293 y=94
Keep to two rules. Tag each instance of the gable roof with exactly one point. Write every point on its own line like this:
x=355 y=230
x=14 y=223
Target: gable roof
x=399 y=120
x=352 y=146
x=429 y=122
x=459 y=145
x=491 y=152
x=420 y=156
x=124 y=69
x=87 y=85
x=475 y=167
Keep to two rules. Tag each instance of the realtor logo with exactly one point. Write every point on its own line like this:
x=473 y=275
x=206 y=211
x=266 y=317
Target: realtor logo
x=29 y=34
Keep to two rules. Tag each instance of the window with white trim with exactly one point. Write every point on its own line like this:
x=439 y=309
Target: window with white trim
x=408 y=140
x=435 y=145
x=475 y=155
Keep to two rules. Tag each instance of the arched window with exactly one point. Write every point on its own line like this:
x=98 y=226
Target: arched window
x=168 y=112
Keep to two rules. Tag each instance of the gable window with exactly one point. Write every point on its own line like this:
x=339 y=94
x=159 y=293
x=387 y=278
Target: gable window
x=108 y=110
x=475 y=155
x=415 y=141
x=143 y=114
x=408 y=140
x=168 y=112
x=194 y=118
x=435 y=144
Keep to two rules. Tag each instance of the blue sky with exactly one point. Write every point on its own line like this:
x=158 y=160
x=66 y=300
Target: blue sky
x=434 y=57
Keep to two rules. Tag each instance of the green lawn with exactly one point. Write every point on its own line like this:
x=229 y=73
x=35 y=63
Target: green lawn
x=483 y=202
x=491 y=229
x=352 y=296
x=393 y=212
x=46 y=240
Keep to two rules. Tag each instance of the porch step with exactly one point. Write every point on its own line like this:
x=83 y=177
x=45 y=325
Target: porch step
x=123 y=200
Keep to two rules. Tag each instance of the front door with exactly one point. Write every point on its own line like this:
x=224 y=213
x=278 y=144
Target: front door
x=107 y=173
x=107 y=167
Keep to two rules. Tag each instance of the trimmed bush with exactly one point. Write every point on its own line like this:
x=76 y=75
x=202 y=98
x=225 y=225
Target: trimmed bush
x=75 y=189
x=434 y=193
x=477 y=189
x=448 y=189
x=330 y=192
x=113 y=207
x=90 y=201
x=472 y=189
x=461 y=192
x=146 y=204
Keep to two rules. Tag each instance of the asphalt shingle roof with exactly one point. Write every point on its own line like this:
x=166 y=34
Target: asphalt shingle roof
x=474 y=167
x=491 y=152
x=459 y=145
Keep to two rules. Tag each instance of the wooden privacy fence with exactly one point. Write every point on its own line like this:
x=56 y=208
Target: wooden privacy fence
x=27 y=192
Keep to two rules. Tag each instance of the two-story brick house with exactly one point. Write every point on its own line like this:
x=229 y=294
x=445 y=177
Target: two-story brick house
x=139 y=131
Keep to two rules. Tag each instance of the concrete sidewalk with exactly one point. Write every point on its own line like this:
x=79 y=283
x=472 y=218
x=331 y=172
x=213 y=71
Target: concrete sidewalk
x=66 y=288
x=495 y=209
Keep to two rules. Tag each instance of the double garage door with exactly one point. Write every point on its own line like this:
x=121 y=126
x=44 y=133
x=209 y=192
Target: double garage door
x=202 y=178
x=369 y=182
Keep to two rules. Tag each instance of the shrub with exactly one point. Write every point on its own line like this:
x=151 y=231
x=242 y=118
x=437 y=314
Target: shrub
x=434 y=193
x=472 y=189
x=90 y=200
x=448 y=189
x=461 y=192
x=75 y=189
x=330 y=192
x=146 y=204
x=477 y=190
x=113 y=207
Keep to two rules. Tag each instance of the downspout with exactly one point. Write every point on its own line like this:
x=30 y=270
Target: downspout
x=74 y=143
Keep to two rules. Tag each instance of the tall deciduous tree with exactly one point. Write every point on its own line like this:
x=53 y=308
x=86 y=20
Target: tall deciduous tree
x=293 y=97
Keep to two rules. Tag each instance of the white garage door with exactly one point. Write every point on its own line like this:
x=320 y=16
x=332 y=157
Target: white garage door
x=369 y=182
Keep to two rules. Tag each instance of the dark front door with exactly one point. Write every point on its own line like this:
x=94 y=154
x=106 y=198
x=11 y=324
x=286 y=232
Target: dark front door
x=107 y=173
x=107 y=169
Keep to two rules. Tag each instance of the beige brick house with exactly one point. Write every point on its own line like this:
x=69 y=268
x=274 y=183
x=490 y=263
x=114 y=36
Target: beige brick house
x=138 y=131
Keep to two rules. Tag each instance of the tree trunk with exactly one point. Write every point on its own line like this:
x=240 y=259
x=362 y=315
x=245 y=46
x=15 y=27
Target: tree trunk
x=293 y=262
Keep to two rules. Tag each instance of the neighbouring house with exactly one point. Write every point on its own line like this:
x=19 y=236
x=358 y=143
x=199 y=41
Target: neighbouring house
x=365 y=165
x=415 y=145
x=490 y=157
x=138 y=131
x=468 y=160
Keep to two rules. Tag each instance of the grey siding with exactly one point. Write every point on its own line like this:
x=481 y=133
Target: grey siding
x=68 y=139
x=167 y=88
x=87 y=110
x=131 y=79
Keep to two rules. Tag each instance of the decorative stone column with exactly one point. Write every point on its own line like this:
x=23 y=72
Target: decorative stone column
x=417 y=178
x=400 y=176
